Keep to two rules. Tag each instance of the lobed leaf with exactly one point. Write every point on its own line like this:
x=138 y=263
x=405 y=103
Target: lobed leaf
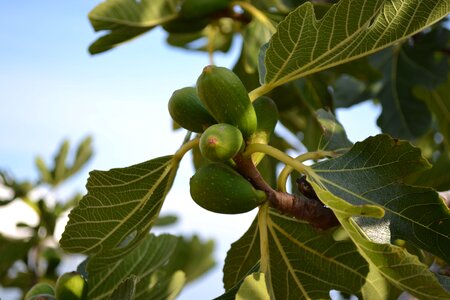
x=120 y=207
x=350 y=29
x=371 y=173
x=394 y=263
x=303 y=263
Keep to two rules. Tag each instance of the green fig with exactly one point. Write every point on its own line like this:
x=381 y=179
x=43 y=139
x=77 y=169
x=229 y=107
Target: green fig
x=219 y=188
x=186 y=109
x=225 y=97
x=221 y=142
x=71 y=286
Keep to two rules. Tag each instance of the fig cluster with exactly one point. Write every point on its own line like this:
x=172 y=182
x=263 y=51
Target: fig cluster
x=221 y=112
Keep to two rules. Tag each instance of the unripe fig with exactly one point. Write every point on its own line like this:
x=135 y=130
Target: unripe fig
x=199 y=8
x=71 y=286
x=225 y=97
x=267 y=115
x=219 y=188
x=186 y=109
x=40 y=291
x=221 y=142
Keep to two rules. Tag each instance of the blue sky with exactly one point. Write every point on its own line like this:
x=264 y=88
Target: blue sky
x=51 y=88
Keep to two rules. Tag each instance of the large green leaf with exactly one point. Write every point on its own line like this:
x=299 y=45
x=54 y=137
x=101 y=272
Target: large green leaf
x=307 y=264
x=371 y=173
x=394 y=263
x=120 y=207
x=349 y=30
x=143 y=262
x=303 y=262
x=126 y=19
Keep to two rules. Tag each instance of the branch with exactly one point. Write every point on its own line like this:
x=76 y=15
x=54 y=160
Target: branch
x=298 y=206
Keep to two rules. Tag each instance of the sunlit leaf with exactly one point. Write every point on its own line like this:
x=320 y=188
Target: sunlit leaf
x=307 y=264
x=303 y=262
x=349 y=30
x=120 y=207
x=395 y=264
x=370 y=173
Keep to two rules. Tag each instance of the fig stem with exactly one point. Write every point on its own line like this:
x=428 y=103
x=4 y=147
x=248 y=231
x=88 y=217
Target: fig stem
x=178 y=156
x=279 y=155
x=260 y=91
x=287 y=170
x=263 y=237
x=298 y=206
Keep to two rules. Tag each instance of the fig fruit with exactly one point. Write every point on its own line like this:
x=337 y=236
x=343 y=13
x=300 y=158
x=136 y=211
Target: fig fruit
x=267 y=116
x=221 y=142
x=71 y=286
x=186 y=109
x=219 y=188
x=225 y=97
x=191 y=9
x=40 y=291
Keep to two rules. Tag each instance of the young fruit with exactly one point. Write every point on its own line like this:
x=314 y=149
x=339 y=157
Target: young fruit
x=221 y=142
x=225 y=97
x=71 y=286
x=267 y=115
x=186 y=109
x=198 y=8
x=40 y=290
x=219 y=188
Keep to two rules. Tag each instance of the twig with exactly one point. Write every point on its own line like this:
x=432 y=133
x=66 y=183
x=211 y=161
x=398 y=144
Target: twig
x=298 y=206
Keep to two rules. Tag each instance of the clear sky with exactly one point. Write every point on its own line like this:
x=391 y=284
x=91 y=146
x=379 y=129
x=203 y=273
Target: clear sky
x=51 y=88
